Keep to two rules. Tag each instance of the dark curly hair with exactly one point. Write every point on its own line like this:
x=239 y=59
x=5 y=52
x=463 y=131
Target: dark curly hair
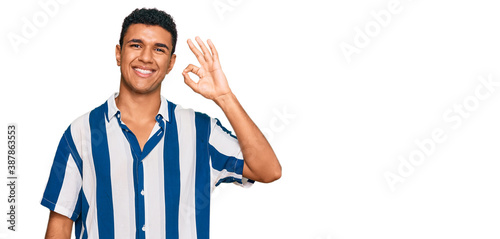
x=152 y=17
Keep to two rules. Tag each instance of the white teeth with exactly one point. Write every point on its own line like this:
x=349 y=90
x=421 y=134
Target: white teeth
x=143 y=71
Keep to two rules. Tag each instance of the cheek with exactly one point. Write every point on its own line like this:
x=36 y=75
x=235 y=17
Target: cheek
x=128 y=56
x=164 y=64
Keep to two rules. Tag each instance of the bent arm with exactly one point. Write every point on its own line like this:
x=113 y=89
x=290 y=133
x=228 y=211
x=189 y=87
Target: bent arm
x=261 y=163
x=59 y=226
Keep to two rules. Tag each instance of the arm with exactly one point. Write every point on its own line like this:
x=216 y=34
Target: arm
x=59 y=226
x=261 y=164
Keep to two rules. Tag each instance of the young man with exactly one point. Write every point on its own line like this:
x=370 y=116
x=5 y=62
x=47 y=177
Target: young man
x=139 y=166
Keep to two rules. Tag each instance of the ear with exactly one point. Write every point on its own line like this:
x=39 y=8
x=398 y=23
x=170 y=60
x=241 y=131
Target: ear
x=118 y=54
x=172 y=62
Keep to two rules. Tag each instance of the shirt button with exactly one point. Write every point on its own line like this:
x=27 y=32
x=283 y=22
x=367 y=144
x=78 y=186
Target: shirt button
x=144 y=228
x=142 y=192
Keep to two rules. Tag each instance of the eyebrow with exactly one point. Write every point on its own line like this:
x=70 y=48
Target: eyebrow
x=156 y=44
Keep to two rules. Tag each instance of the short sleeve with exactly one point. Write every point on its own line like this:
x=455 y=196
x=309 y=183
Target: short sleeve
x=62 y=193
x=226 y=157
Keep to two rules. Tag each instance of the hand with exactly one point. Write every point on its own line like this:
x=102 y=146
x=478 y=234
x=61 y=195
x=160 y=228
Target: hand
x=213 y=83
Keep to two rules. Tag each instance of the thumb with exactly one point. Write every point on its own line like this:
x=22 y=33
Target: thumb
x=187 y=79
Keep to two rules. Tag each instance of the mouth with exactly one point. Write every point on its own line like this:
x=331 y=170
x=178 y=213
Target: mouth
x=143 y=72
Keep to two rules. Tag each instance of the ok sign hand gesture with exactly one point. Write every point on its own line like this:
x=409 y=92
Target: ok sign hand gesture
x=213 y=82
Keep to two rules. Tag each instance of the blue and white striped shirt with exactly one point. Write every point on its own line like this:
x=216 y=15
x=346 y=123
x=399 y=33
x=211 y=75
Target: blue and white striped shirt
x=102 y=180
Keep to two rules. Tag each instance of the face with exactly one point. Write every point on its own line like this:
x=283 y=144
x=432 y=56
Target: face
x=144 y=58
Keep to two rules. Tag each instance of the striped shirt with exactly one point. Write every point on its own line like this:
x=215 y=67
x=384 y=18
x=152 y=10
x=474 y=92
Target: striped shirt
x=102 y=180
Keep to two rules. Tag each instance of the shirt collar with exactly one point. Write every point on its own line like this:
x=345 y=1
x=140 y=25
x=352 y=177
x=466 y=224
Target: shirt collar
x=113 y=110
x=163 y=108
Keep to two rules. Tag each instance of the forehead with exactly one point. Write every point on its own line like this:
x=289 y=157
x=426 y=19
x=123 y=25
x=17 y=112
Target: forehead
x=148 y=34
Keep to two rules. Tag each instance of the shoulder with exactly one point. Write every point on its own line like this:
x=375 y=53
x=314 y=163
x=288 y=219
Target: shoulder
x=181 y=113
x=81 y=125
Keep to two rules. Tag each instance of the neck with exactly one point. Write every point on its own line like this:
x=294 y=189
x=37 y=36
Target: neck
x=138 y=107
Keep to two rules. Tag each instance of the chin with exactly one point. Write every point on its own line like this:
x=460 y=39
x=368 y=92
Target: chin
x=145 y=90
x=141 y=86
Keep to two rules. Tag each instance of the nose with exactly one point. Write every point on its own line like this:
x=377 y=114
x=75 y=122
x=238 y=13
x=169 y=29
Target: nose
x=145 y=55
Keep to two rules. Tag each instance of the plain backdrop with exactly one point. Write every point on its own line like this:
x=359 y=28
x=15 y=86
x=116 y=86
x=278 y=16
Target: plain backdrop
x=338 y=124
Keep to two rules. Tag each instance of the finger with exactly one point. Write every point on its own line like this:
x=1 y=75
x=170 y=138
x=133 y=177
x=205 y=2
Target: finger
x=194 y=69
x=196 y=52
x=212 y=48
x=187 y=79
x=189 y=82
x=208 y=55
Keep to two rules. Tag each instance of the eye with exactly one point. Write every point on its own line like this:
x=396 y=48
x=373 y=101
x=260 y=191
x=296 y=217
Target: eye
x=160 y=50
x=135 y=46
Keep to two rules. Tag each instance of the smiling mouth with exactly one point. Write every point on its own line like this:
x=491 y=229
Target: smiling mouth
x=143 y=72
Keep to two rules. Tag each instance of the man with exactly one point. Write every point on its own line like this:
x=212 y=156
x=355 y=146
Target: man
x=139 y=166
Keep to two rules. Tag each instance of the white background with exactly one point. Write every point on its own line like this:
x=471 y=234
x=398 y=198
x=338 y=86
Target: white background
x=346 y=123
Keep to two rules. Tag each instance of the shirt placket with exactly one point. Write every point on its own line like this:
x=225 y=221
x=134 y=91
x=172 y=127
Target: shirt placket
x=138 y=170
